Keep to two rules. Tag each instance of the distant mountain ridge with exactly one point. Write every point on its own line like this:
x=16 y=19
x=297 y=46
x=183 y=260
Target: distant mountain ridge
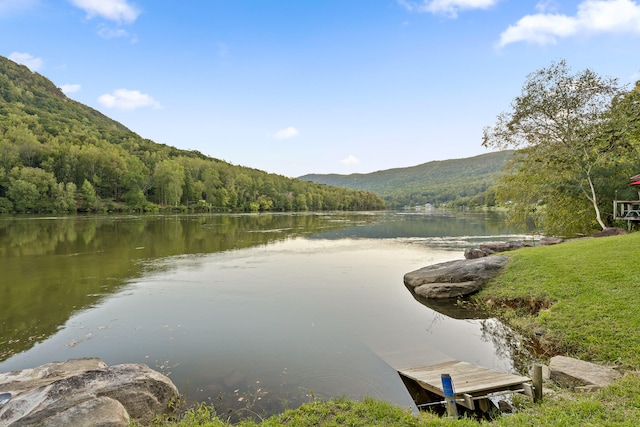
x=466 y=181
x=60 y=156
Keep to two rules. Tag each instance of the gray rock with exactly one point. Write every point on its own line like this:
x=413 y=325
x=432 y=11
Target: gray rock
x=84 y=392
x=454 y=278
x=548 y=241
x=494 y=247
x=490 y=248
x=581 y=375
x=99 y=412
x=612 y=231
x=475 y=253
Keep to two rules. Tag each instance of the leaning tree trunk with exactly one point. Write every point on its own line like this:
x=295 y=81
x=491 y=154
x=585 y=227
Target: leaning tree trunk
x=593 y=198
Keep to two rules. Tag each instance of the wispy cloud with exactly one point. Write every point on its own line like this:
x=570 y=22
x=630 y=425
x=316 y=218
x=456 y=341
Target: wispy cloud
x=592 y=17
x=112 y=33
x=350 y=160
x=32 y=62
x=286 y=133
x=70 y=88
x=446 y=7
x=547 y=6
x=125 y=99
x=119 y=11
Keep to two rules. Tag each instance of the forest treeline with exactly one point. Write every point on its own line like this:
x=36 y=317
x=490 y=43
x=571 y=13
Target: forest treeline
x=57 y=156
x=467 y=182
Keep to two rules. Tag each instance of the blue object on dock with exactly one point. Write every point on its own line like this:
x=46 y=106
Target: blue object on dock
x=447 y=385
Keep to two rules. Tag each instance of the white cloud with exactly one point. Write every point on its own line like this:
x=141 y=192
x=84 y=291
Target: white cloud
x=546 y=6
x=112 y=33
x=286 y=133
x=124 y=99
x=350 y=160
x=446 y=7
x=113 y=10
x=67 y=89
x=33 y=63
x=592 y=17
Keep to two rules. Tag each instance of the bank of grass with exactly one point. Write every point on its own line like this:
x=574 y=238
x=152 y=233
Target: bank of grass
x=579 y=299
x=617 y=405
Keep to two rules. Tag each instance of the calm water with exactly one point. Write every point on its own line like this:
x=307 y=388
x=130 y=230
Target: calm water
x=254 y=313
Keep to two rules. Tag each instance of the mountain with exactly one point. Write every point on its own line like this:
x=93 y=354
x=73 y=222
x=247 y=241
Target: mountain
x=465 y=181
x=58 y=155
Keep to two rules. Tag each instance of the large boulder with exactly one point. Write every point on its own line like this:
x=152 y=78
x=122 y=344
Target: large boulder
x=84 y=392
x=454 y=278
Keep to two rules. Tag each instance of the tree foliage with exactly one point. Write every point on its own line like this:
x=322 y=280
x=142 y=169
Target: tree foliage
x=574 y=135
x=57 y=155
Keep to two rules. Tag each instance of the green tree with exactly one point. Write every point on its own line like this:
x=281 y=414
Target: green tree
x=26 y=182
x=89 y=198
x=27 y=143
x=557 y=123
x=24 y=195
x=64 y=197
x=168 y=178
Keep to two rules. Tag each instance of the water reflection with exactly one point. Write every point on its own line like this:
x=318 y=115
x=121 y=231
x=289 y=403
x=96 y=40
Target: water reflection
x=53 y=267
x=254 y=313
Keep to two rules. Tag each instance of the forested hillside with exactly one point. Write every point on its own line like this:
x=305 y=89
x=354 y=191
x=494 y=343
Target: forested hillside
x=57 y=155
x=467 y=181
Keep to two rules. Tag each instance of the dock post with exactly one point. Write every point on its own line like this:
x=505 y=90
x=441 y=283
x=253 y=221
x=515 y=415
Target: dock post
x=449 y=395
x=537 y=383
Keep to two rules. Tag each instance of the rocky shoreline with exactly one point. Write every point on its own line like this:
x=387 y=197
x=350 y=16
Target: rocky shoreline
x=84 y=392
x=459 y=278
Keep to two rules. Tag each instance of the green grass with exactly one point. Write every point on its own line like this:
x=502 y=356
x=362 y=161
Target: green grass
x=581 y=296
x=617 y=405
x=592 y=290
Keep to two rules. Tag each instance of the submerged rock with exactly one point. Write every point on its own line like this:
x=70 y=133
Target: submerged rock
x=84 y=392
x=454 y=278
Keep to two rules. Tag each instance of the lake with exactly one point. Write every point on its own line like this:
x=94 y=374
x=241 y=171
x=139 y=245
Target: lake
x=254 y=313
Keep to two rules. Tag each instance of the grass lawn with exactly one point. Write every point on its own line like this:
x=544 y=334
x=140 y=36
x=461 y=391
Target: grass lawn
x=582 y=298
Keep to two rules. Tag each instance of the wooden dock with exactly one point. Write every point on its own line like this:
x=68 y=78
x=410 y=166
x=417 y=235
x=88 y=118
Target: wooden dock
x=472 y=385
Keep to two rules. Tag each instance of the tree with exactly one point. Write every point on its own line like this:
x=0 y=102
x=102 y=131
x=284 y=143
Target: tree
x=557 y=123
x=63 y=197
x=89 y=198
x=24 y=195
x=168 y=177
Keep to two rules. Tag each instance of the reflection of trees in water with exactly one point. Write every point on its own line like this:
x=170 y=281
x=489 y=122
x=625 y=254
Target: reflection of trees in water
x=54 y=267
x=508 y=344
x=454 y=308
x=437 y=319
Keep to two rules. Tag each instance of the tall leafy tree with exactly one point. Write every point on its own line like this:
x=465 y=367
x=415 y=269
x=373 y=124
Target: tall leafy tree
x=558 y=124
x=168 y=178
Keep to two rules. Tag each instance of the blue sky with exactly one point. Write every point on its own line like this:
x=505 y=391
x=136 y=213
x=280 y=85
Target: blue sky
x=314 y=86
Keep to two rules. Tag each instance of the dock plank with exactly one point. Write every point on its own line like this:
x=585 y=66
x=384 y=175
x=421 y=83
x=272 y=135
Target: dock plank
x=467 y=378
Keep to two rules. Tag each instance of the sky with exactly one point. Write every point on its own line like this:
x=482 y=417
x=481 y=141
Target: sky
x=294 y=87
